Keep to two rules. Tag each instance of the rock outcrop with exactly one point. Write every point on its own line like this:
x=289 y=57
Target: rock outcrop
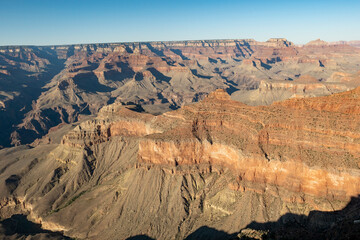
x=278 y=145
x=317 y=42
x=42 y=87
x=217 y=163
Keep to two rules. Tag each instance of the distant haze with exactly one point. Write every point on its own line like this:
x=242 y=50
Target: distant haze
x=43 y=22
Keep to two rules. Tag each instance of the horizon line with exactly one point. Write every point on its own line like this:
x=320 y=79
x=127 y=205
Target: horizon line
x=162 y=41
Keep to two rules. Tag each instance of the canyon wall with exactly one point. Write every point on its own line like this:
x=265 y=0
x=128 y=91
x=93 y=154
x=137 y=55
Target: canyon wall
x=217 y=163
x=45 y=86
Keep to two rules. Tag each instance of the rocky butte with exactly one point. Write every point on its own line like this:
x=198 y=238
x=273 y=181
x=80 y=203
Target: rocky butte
x=216 y=169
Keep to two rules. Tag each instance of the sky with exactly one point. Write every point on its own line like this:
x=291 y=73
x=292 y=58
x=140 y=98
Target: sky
x=57 y=22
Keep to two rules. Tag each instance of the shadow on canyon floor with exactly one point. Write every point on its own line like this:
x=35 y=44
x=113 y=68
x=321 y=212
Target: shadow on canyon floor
x=332 y=225
x=140 y=237
x=206 y=232
x=20 y=227
x=341 y=224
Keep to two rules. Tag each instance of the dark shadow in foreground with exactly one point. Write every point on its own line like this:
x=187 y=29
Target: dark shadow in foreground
x=331 y=225
x=140 y=237
x=20 y=227
x=206 y=232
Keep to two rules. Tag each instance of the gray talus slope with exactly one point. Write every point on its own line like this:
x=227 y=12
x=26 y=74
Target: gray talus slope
x=114 y=197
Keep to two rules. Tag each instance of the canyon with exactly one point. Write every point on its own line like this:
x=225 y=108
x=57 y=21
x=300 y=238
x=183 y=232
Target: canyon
x=210 y=139
x=44 y=86
x=216 y=164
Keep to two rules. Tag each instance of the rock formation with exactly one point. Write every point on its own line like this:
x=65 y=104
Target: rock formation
x=317 y=42
x=217 y=164
x=42 y=87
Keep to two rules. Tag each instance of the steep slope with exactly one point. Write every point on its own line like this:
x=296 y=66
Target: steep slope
x=60 y=84
x=218 y=163
x=23 y=73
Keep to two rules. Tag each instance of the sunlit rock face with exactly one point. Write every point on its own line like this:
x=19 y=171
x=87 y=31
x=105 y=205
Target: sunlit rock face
x=306 y=146
x=303 y=145
x=43 y=87
x=218 y=163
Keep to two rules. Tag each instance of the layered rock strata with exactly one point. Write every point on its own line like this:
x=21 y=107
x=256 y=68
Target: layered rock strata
x=218 y=163
x=42 y=87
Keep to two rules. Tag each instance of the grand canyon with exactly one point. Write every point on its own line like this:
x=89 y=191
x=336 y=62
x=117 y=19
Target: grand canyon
x=208 y=139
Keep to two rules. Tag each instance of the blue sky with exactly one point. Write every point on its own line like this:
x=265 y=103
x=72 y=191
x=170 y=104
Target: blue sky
x=48 y=22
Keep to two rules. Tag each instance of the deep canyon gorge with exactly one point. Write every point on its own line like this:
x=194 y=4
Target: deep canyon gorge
x=211 y=139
